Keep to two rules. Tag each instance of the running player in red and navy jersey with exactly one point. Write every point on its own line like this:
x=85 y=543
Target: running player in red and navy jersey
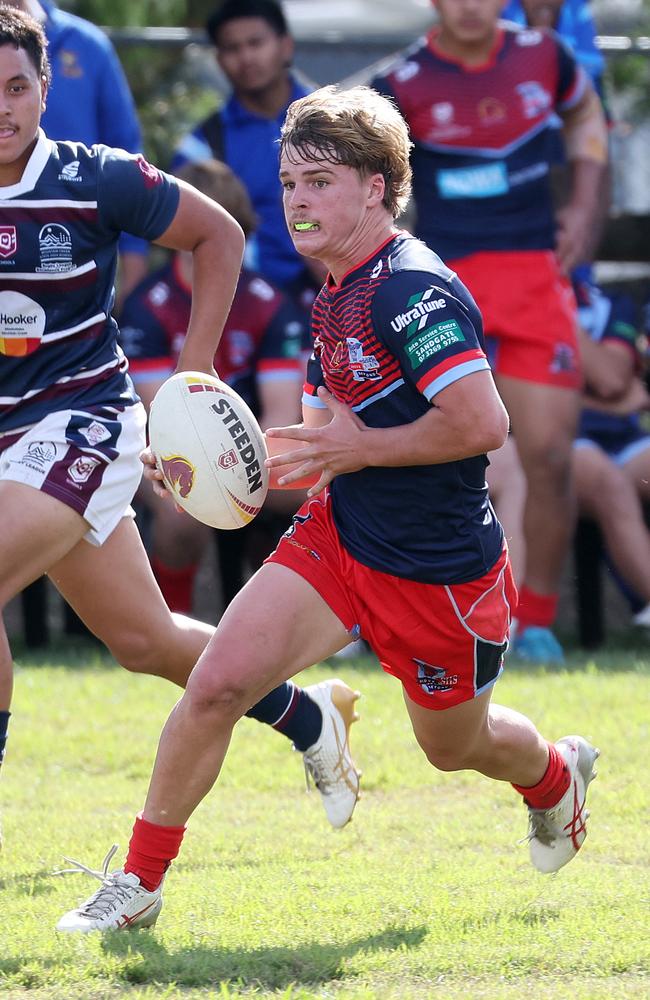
x=398 y=541
x=480 y=97
x=261 y=355
x=71 y=424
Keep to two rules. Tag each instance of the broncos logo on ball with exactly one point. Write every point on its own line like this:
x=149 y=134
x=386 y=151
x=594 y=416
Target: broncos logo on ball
x=179 y=473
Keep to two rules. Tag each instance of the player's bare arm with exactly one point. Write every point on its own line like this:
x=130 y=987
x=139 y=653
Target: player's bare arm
x=216 y=242
x=466 y=419
x=585 y=137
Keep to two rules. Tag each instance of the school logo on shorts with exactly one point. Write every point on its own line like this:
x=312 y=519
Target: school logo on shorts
x=564 y=359
x=55 y=246
x=39 y=456
x=95 y=433
x=82 y=469
x=434 y=679
x=8 y=241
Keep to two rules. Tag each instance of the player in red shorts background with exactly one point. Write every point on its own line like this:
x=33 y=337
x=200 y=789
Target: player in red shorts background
x=398 y=541
x=480 y=98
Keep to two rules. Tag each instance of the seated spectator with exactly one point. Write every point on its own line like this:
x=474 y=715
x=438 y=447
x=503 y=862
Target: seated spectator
x=611 y=453
x=261 y=355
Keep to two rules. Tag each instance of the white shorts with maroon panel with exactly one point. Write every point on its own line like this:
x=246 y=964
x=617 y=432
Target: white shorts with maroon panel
x=87 y=460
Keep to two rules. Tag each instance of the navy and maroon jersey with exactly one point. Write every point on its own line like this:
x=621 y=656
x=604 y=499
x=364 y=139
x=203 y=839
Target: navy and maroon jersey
x=59 y=228
x=482 y=138
x=398 y=329
x=265 y=336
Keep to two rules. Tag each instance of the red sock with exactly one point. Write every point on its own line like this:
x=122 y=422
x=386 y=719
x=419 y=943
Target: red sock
x=177 y=585
x=536 y=609
x=548 y=792
x=152 y=849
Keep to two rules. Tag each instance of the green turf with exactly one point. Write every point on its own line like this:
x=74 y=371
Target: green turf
x=426 y=894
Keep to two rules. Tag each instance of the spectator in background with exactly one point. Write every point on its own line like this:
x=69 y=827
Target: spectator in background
x=260 y=355
x=611 y=454
x=89 y=101
x=574 y=23
x=478 y=95
x=254 y=51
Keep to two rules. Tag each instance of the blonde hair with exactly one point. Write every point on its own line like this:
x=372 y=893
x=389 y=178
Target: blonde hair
x=358 y=128
x=217 y=181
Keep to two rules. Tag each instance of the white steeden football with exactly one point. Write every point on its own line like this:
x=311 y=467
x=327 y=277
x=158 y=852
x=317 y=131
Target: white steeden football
x=210 y=449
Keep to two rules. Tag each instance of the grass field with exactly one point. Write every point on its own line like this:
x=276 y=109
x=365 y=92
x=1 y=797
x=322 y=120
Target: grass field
x=427 y=894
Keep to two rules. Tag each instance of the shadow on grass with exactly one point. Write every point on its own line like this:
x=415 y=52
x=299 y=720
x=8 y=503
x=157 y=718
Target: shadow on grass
x=37 y=883
x=147 y=960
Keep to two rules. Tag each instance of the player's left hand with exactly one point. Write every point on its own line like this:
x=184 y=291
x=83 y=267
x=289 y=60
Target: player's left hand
x=331 y=450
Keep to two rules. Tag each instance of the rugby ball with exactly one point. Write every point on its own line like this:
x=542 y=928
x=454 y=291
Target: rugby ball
x=210 y=450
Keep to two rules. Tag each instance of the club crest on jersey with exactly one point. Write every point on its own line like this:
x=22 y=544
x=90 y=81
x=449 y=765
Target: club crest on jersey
x=534 y=98
x=8 y=241
x=55 y=246
x=418 y=308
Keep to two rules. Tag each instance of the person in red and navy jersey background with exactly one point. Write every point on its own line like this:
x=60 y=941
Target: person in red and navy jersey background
x=261 y=355
x=479 y=96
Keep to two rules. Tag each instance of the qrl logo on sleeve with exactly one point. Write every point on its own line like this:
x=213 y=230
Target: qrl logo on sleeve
x=8 y=241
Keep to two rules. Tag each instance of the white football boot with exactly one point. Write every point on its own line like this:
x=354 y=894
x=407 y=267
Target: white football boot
x=557 y=834
x=329 y=761
x=120 y=904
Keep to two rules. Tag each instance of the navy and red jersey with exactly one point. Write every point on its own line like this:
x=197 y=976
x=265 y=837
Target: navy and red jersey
x=59 y=229
x=264 y=338
x=482 y=139
x=608 y=317
x=397 y=330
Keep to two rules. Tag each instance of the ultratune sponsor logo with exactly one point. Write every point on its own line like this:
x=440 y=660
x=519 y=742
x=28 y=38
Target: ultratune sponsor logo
x=71 y=172
x=242 y=442
x=418 y=308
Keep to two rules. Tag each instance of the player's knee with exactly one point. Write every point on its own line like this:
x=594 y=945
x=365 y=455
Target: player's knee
x=137 y=653
x=445 y=758
x=211 y=692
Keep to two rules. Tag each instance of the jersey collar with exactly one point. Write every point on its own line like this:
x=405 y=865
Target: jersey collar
x=35 y=167
x=332 y=285
x=489 y=62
